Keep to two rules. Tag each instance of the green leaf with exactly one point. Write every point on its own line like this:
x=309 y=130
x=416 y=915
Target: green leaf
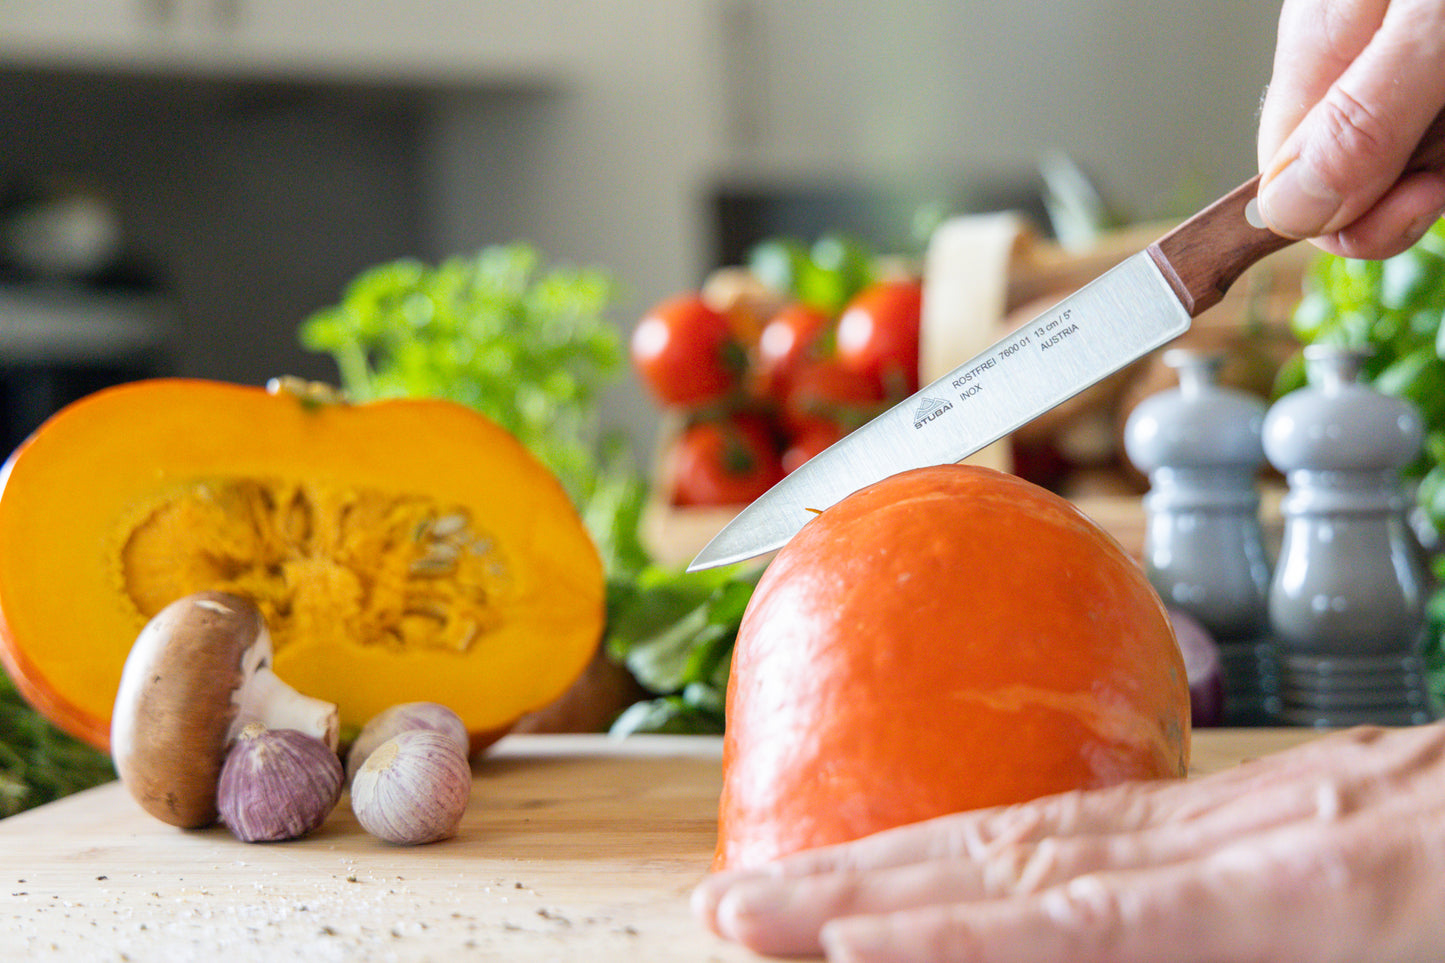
x=1291 y=375
x=779 y=263
x=38 y=762
x=1418 y=377
x=1407 y=278
x=1430 y=496
x=1314 y=317
x=671 y=715
x=674 y=628
x=661 y=662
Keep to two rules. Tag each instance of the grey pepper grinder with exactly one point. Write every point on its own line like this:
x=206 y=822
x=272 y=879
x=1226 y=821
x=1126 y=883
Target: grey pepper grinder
x=1347 y=600
x=1204 y=549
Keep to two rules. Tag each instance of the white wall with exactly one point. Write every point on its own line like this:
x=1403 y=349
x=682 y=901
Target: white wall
x=1149 y=93
x=644 y=108
x=1156 y=97
x=611 y=170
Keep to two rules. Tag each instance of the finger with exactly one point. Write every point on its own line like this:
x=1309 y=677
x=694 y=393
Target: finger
x=1355 y=141
x=1124 y=807
x=1395 y=223
x=785 y=917
x=1317 y=42
x=1127 y=807
x=960 y=835
x=782 y=916
x=1323 y=893
x=1387 y=771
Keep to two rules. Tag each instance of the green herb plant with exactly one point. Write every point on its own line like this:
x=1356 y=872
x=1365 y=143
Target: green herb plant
x=1393 y=309
x=524 y=343
x=675 y=633
x=38 y=762
x=530 y=346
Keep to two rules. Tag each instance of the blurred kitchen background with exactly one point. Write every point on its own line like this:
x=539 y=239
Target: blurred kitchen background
x=183 y=181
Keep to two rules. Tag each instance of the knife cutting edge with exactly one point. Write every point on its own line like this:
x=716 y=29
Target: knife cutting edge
x=1138 y=306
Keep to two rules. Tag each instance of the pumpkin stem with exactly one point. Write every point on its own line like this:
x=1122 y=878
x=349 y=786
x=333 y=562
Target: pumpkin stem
x=309 y=393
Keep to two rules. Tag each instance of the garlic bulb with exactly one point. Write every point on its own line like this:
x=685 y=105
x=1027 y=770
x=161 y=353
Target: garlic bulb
x=400 y=718
x=413 y=788
x=277 y=784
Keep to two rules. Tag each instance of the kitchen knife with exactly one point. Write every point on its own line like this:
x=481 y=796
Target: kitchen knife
x=1133 y=309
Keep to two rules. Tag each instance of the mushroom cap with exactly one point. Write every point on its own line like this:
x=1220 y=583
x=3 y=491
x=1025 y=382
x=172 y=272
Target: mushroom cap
x=176 y=703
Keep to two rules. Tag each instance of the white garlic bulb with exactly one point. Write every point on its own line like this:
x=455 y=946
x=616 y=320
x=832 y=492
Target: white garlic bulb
x=400 y=718
x=413 y=788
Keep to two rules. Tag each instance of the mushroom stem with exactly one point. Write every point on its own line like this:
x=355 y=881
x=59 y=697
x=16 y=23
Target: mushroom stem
x=265 y=698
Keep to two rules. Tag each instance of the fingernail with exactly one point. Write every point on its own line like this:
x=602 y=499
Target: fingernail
x=1420 y=226
x=704 y=903
x=1296 y=203
x=707 y=894
x=854 y=940
x=745 y=904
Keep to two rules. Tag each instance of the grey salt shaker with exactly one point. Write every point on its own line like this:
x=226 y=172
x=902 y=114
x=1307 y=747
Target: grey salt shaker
x=1204 y=548
x=1347 y=600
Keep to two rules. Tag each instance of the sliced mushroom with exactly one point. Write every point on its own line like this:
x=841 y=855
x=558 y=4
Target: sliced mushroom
x=198 y=672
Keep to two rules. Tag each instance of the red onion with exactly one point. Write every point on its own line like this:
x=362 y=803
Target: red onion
x=1203 y=667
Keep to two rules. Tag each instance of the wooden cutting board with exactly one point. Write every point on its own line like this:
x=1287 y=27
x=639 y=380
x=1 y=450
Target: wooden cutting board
x=573 y=848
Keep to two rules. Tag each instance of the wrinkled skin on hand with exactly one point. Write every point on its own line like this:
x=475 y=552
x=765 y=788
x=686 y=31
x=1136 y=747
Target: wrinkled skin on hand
x=1332 y=851
x=1355 y=87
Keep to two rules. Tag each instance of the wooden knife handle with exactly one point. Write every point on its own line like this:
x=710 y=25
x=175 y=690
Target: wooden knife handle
x=1203 y=256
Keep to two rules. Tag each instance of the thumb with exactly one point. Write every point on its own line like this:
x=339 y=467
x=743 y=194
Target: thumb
x=1352 y=144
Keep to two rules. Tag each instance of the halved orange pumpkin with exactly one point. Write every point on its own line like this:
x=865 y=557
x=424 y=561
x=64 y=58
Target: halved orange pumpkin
x=400 y=550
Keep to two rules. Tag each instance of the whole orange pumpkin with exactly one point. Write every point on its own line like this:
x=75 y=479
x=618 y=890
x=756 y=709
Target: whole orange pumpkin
x=947 y=639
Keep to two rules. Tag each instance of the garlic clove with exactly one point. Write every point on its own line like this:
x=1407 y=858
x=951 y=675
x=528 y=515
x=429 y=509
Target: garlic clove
x=277 y=784
x=400 y=718
x=413 y=788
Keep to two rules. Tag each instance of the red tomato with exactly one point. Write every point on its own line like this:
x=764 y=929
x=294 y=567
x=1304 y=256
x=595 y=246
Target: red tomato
x=728 y=461
x=685 y=352
x=878 y=334
x=788 y=342
x=825 y=395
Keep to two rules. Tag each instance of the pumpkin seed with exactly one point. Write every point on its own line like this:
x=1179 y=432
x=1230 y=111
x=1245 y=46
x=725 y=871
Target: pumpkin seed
x=448 y=525
x=315 y=556
x=432 y=565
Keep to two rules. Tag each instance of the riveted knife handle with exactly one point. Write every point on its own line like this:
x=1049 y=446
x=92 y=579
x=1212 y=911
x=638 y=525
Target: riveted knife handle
x=1203 y=256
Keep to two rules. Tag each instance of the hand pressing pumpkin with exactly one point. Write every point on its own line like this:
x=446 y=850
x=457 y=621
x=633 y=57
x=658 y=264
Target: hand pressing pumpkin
x=947 y=639
x=404 y=550
x=1328 y=851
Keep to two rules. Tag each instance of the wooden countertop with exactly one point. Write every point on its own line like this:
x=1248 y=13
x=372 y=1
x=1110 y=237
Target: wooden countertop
x=573 y=848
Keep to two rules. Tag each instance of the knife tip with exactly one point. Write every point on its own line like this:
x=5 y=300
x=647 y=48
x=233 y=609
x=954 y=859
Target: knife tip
x=706 y=560
x=717 y=554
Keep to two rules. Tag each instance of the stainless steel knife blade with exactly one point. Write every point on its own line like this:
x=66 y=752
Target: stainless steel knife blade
x=1133 y=309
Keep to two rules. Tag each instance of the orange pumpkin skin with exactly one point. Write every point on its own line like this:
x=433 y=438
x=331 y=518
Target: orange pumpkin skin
x=950 y=638
x=77 y=580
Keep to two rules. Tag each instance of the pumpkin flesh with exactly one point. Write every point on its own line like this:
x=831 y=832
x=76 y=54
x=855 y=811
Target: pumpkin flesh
x=948 y=639
x=400 y=550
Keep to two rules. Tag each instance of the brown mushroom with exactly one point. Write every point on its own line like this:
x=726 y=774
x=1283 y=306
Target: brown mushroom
x=198 y=672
